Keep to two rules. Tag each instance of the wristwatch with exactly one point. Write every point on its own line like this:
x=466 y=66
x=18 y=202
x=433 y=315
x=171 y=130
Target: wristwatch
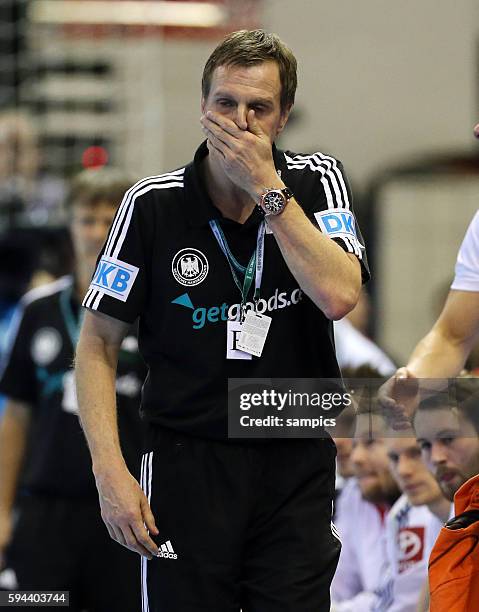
x=273 y=201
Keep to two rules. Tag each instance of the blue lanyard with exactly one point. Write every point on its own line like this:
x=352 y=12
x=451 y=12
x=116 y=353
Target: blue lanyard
x=255 y=264
x=73 y=324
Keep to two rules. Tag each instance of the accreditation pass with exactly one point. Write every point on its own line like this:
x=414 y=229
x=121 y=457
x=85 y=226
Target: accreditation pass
x=253 y=333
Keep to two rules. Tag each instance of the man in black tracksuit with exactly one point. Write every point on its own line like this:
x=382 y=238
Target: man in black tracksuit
x=58 y=540
x=243 y=232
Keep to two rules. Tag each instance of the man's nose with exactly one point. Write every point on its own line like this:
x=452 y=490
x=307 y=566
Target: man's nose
x=438 y=454
x=358 y=455
x=100 y=231
x=405 y=467
x=241 y=116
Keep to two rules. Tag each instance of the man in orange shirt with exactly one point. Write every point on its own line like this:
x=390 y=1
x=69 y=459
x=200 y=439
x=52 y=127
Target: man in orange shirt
x=447 y=427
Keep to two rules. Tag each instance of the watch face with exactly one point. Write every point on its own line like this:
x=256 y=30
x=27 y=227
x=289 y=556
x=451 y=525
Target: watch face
x=274 y=201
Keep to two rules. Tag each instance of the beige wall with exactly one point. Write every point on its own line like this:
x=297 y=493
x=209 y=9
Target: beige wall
x=423 y=221
x=379 y=79
x=182 y=70
x=382 y=79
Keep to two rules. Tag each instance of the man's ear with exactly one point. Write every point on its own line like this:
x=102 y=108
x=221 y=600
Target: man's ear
x=284 y=119
x=203 y=103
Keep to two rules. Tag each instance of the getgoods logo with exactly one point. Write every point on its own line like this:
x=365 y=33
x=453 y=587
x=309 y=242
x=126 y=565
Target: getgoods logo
x=189 y=267
x=202 y=316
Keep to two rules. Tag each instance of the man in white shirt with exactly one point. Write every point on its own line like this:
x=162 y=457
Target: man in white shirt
x=361 y=522
x=412 y=525
x=443 y=351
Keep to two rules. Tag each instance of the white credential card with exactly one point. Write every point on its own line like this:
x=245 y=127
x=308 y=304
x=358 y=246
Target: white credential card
x=254 y=333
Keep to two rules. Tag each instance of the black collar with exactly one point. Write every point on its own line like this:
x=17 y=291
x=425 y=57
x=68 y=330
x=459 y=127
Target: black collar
x=200 y=208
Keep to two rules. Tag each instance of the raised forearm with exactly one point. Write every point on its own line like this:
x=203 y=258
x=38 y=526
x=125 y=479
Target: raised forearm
x=323 y=270
x=444 y=350
x=328 y=275
x=438 y=356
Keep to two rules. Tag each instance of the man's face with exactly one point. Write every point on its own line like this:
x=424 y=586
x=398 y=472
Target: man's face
x=410 y=472
x=235 y=90
x=450 y=447
x=89 y=227
x=371 y=464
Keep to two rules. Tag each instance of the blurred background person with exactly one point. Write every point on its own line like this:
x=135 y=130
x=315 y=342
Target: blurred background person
x=51 y=534
x=343 y=434
x=447 y=427
x=34 y=247
x=28 y=258
x=363 y=559
x=16 y=269
x=28 y=196
x=412 y=524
